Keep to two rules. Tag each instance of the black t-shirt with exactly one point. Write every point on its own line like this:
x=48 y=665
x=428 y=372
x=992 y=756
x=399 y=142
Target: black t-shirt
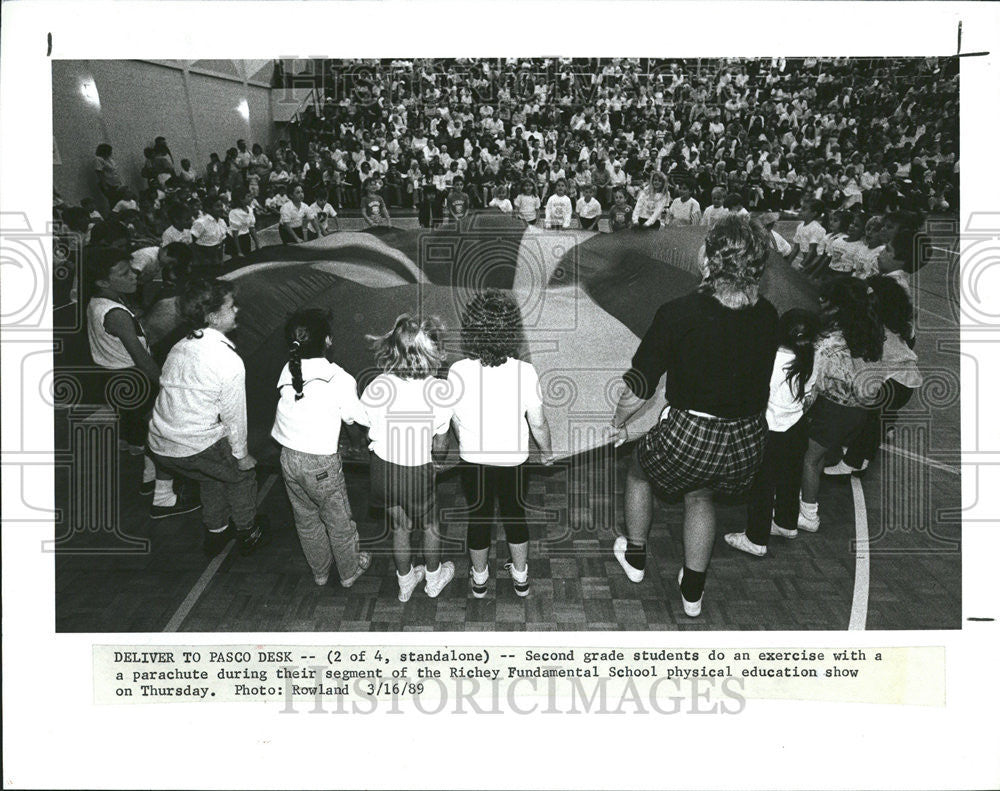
x=717 y=360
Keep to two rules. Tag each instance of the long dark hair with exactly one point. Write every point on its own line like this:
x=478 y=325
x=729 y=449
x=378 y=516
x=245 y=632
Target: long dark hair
x=798 y=329
x=306 y=332
x=893 y=305
x=853 y=311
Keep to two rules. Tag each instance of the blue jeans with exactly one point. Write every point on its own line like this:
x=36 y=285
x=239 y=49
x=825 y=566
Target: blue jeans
x=318 y=494
x=226 y=490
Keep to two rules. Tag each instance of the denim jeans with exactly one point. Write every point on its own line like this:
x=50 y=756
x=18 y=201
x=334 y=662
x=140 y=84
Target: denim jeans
x=226 y=490
x=318 y=494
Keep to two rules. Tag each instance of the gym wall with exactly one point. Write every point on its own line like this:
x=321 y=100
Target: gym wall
x=200 y=107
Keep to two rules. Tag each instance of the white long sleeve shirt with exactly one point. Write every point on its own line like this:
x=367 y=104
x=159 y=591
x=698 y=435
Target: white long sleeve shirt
x=311 y=424
x=649 y=207
x=202 y=398
x=558 y=211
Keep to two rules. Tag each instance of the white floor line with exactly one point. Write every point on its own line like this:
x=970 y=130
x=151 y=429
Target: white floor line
x=859 y=605
x=922 y=309
x=937 y=465
x=943 y=249
x=206 y=576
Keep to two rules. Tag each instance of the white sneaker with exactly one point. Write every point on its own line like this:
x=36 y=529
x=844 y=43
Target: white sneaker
x=634 y=574
x=692 y=609
x=808 y=523
x=436 y=580
x=843 y=468
x=776 y=530
x=409 y=582
x=741 y=542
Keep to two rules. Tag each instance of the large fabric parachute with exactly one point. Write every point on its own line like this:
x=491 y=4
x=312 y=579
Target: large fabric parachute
x=586 y=298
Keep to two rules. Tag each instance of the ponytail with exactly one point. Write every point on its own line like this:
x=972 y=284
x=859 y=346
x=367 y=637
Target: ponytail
x=305 y=333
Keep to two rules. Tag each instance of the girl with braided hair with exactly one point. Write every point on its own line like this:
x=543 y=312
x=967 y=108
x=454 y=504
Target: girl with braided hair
x=314 y=397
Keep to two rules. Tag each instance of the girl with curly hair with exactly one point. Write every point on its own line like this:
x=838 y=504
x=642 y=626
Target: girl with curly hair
x=717 y=346
x=496 y=403
x=199 y=424
x=408 y=420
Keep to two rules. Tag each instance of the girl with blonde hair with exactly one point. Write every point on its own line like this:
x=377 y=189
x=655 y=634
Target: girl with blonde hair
x=408 y=420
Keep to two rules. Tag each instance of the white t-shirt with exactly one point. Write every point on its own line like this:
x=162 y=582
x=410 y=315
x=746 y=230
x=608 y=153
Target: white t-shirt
x=806 y=235
x=241 y=221
x=685 y=212
x=294 y=216
x=781 y=243
x=825 y=247
x=173 y=235
x=490 y=404
x=146 y=260
x=558 y=211
x=588 y=209
x=713 y=214
x=865 y=260
x=842 y=254
x=208 y=231
x=324 y=213
x=504 y=205
x=404 y=416
x=312 y=423
x=783 y=408
x=527 y=207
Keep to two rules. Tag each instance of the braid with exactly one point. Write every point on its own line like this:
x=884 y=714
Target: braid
x=305 y=334
x=295 y=366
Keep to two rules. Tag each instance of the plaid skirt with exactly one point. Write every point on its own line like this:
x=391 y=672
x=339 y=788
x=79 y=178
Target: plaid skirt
x=686 y=452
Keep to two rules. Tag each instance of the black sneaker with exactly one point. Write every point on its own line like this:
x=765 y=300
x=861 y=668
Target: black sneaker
x=182 y=506
x=146 y=488
x=216 y=542
x=255 y=537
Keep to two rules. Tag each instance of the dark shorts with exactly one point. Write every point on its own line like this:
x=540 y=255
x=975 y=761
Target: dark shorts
x=410 y=488
x=685 y=452
x=830 y=424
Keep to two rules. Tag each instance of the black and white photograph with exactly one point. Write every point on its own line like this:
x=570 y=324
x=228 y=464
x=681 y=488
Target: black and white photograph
x=507 y=344
x=608 y=381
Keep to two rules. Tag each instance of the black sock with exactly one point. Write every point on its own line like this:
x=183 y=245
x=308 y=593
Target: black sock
x=635 y=555
x=692 y=584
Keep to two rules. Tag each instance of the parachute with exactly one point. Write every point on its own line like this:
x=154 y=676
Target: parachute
x=586 y=299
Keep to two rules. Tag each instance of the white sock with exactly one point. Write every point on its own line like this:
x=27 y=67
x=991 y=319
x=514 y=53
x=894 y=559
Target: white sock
x=433 y=574
x=519 y=576
x=480 y=577
x=148 y=470
x=810 y=510
x=163 y=494
x=405 y=577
